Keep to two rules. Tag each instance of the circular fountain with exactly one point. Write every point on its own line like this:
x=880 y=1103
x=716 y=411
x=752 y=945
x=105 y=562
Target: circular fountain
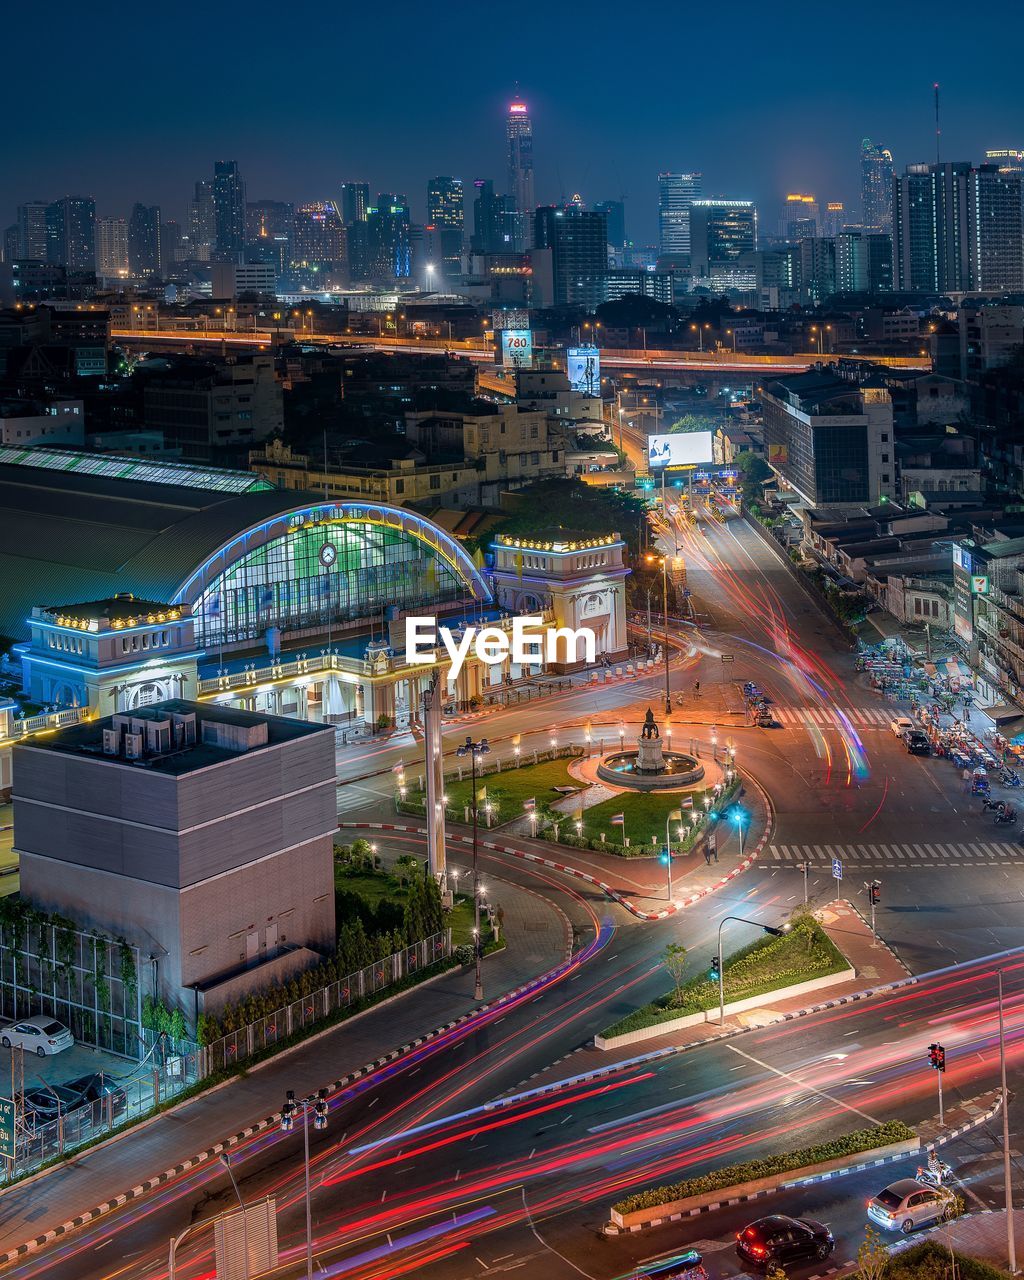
x=650 y=767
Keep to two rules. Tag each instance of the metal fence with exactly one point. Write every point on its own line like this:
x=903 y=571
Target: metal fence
x=250 y=1040
x=167 y=1071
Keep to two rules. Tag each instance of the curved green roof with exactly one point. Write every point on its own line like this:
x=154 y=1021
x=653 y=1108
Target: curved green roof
x=67 y=535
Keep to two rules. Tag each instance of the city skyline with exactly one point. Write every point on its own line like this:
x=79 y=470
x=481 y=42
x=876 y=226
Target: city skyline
x=599 y=145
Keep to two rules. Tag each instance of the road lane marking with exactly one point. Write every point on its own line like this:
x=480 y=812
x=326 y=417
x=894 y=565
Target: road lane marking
x=809 y=1088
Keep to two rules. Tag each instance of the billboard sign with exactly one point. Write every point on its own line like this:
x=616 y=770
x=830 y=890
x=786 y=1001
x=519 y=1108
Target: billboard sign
x=681 y=449
x=778 y=455
x=583 y=365
x=517 y=347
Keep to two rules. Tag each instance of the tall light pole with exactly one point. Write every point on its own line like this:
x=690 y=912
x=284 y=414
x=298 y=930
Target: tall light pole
x=664 y=614
x=474 y=749
x=318 y=1103
x=225 y=1160
x=768 y=928
x=740 y=818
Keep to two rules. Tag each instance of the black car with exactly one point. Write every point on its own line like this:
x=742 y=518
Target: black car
x=779 y=1240
x=40 y=1106
x=917 y=743
x=94 y=1087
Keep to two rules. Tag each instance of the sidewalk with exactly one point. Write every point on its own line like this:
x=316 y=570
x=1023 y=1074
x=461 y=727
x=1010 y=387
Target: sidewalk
x=983 y=1235
x=874 y=964
x=536 y=936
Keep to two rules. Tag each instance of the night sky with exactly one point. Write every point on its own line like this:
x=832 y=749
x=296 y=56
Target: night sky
x=135 y=103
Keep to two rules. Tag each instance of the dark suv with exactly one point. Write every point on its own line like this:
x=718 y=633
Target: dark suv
x=917 y=743
x=779 y=1240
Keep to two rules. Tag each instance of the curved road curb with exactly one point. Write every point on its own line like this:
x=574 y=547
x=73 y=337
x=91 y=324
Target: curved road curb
x=605 y=888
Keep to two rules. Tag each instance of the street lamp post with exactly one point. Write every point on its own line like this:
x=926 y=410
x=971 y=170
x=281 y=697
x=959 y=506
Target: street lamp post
x=768 y=928
x=473 y=749
x=740 y=818
x=225 y=1160
x=318 y=1103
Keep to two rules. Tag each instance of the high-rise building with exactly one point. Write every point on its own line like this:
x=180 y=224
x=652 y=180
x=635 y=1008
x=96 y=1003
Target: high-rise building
x=112 y=248
x=931 y=233
x=799 y=217
x=835 y=217
x=266 y=219
x=570 y=256
x=994 y=205
x=446 y=213
x=720 y=230
x=615 y=212
x=676 y=193
x=817 y=268
x=71 y=233
x=876 y=185
x=355 y=200
x=144 y=256
x=863 y=261
x=32 y=230
x=519 y=136
x=172 y=245
x=1006 y=159
x=202 y=221
x=494 y=221
x=389 y=238
x=11 y=243
x=229 y=210
x=318 y=241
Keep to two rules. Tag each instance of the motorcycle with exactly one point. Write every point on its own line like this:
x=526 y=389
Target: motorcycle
x=1011 y=779
x=1006 y=818
x=934 y=1173
x=997 y=805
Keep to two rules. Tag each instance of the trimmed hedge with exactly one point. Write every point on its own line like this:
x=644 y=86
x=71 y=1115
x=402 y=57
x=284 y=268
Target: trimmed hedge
x=733 y=1175
x=930 y=1261
x=767 y=964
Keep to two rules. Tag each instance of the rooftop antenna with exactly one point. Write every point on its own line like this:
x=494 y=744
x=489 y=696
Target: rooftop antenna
x=938 y=131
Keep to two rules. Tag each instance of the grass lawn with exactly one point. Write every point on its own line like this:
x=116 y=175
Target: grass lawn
x=765 y=965
x=645 y=815
x=507 y=790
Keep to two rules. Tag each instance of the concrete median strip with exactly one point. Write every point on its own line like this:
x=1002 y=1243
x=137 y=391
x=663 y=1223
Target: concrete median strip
x=672 y=1211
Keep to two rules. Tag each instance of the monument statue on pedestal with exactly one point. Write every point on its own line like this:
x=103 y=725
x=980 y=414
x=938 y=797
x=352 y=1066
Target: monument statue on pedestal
x=650 y=757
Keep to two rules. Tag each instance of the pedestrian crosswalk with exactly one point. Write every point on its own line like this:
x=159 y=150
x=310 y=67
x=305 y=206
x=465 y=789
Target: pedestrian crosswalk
x=903 y=856
x=826 y=718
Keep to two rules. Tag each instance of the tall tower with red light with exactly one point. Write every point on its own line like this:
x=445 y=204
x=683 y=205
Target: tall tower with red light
x=519 y=134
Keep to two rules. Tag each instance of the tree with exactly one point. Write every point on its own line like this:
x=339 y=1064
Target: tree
x=872 y=1256
x=674 y=960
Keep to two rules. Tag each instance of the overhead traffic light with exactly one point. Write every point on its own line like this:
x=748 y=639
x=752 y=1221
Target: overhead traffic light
x=937 y=1057
x=875 y=892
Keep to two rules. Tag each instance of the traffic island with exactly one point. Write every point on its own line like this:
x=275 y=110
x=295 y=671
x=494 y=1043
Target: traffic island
x=862 y=1149
x=768 y=970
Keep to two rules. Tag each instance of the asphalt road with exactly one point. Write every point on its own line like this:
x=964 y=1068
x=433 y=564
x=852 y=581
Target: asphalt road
x=838 y=780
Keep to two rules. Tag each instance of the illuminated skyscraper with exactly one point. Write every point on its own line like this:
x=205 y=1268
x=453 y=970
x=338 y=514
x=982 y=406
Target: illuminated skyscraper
x=446 y=214
x=32 y=230
x=720 y=230
x=676 y=192
x=519 y=134
x=800 y=220
x=1007 y=160
x=389 y=245
x=229 y=210
x=202 y=221
x=144 y=255
x=876 y=185
x=71 y=233
x=112 y=248
x=355 y=200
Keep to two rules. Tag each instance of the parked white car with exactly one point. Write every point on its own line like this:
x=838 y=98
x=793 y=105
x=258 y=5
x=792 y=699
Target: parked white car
x=901 y=725
x=39 y=1034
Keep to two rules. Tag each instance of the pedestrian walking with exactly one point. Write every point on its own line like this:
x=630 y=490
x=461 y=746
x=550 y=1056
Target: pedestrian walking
x=707 y=854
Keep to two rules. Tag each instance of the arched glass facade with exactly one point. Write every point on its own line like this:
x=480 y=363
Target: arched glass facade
x=292 y=583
